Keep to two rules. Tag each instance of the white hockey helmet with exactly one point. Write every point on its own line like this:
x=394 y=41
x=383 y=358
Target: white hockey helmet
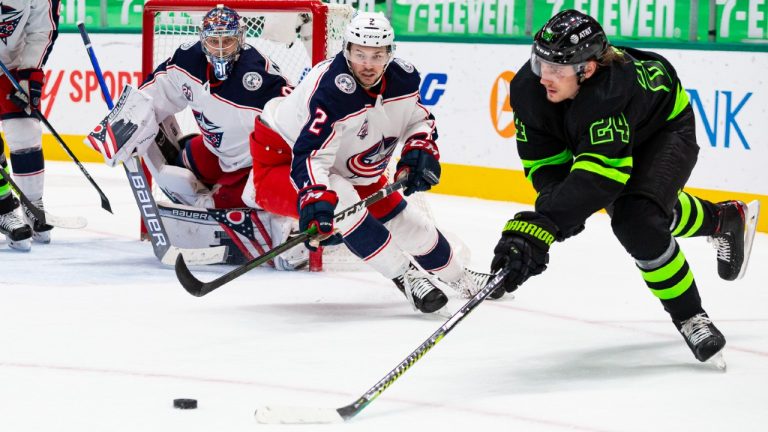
x=369 y=29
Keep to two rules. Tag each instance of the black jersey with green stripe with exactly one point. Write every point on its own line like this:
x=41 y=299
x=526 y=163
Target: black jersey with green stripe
x=578 y=153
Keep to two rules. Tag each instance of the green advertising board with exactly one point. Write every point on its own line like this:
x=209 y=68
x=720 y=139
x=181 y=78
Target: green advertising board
x=665 y=20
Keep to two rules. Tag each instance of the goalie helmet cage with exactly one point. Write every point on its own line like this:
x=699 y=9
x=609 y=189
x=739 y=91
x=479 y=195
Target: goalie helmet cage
x=295 y=34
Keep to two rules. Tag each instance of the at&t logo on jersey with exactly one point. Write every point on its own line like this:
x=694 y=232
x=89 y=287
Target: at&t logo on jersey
x=373 y=162
x=211 y=132
x=9 y=20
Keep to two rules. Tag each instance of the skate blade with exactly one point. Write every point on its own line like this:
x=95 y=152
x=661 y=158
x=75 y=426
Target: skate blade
x=718 y=361
x=753 y=211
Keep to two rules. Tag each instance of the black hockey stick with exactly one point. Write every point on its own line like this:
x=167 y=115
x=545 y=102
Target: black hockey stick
x=36 y=212
x=199 y=288
x=161 y=245
x=104 y=201
x=272 y=414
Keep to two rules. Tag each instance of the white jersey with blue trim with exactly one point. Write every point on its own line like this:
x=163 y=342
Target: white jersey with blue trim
x=336 y=126
x=224 y=110
x=28 y=29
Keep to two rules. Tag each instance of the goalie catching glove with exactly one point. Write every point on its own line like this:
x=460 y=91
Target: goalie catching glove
x=316 y=207
x=524 y=247
x=419 y=162
x=129 y=128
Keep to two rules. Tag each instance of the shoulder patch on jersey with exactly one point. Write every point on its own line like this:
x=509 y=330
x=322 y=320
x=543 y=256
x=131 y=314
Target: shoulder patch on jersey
x=346 y=83
x=252 y=81
x=186 y=90
x=187 y=45
x=405 y=65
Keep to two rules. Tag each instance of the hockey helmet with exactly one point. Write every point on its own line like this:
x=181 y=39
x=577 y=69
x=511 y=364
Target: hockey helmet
x=569 y=38
x=221 y=36
x=369 y=29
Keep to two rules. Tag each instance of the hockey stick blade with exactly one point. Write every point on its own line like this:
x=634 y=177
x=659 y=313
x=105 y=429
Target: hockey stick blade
x=198 y=288
x=67 y=222
x=304 y=415
x=202 y=256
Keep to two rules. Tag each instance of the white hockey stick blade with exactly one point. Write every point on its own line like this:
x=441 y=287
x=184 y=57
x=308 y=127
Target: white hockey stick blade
x=297 y=415
x=753 y=211
x=203 y=256
x=67 y=222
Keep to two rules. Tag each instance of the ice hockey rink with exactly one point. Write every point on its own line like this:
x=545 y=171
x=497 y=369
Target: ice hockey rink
x=97 y=335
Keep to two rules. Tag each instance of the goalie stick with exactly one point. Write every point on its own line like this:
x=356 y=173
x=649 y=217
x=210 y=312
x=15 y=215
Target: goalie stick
x=164 y=251
x=104 y=201
x=199 y=288
x=68 y=222
x=276 y=414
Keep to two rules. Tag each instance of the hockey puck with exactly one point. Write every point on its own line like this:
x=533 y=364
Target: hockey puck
x=185 y=403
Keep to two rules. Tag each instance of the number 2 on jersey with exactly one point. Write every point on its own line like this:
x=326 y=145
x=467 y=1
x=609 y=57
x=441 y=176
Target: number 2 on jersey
x=320 y=118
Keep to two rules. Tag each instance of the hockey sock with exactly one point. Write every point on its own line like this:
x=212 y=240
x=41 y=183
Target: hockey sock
x=29 y=167
x=671 y=280
x=693 y=216
x=372 y=242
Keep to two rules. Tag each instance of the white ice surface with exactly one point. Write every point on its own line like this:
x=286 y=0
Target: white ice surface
x=96 y=335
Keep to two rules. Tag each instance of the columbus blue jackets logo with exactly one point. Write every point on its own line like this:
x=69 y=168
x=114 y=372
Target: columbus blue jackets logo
x=212 y=134
x=9 y=20
x=373 y=162
x=252 y=81
x=346 y=83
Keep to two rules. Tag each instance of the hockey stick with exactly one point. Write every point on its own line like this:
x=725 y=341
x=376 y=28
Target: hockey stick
x=161 y=245
x=104 y=201
x=73 y=222
x=36 y=212
x=276 y=414
x=199 y=288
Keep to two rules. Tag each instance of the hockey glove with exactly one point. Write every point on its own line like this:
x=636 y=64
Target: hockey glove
x=524 y=247
x=31 y=81
x=419 y=162
x=316 y=207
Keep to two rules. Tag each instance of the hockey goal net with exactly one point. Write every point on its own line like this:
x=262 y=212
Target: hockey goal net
x=295 y=34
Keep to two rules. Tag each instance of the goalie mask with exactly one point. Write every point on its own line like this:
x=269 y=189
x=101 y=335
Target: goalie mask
x=221 y=37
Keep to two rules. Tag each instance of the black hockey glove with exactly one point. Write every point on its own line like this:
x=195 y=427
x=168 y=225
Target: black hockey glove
x=31 y=81
x=524 y=247
x=316 y=207
x=419 y=162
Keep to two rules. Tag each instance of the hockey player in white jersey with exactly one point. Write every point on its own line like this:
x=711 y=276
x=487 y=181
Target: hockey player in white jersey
x=225 y=82
x=28 y=30
x=328 y=144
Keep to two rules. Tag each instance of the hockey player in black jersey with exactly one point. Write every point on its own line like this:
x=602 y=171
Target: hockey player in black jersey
x=609 y=127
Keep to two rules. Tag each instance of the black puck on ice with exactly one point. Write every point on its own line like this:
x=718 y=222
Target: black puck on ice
x=185 y=403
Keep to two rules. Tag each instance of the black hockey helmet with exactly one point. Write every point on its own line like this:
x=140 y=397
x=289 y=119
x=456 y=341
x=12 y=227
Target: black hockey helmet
x=570 y=38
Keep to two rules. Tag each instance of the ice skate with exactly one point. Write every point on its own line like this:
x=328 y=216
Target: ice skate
x=419 y=290
x=733 y=237
x=703 y=338
x=41 y=233
x=17 y=233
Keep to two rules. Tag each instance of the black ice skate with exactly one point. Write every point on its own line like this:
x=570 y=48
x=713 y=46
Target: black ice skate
x=733 y=237
x=41 y=233
x=13 y=227
x=703 y=338
x=419 y=290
